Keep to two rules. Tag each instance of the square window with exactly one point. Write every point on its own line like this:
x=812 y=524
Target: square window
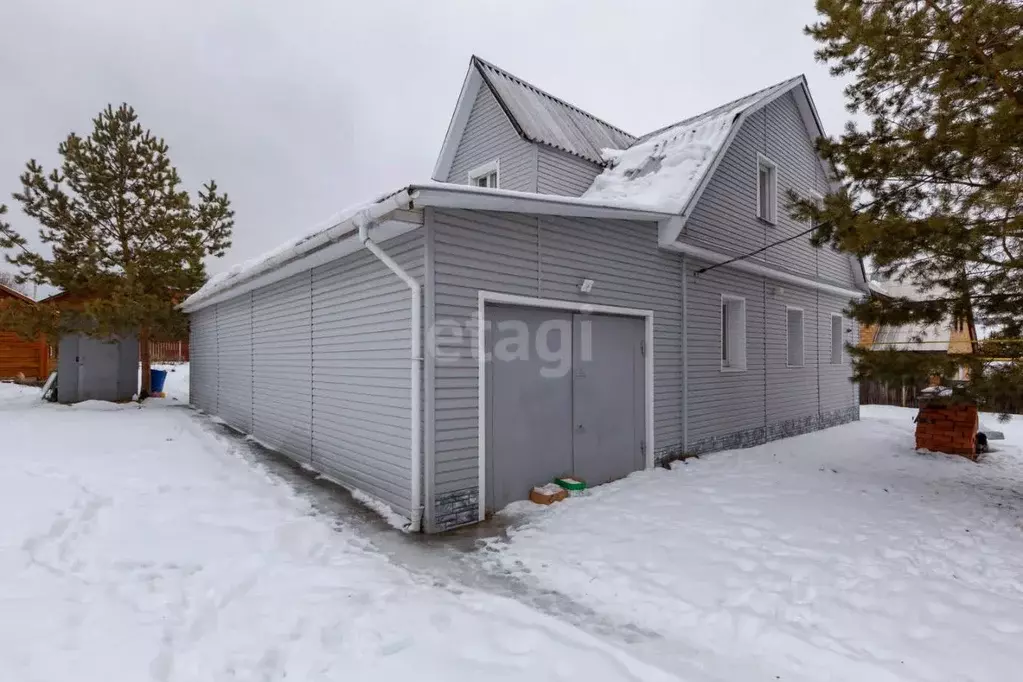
x=487 y=175
x=767 y=189
x=733 y=334
x=794 y=318
x=837 y=339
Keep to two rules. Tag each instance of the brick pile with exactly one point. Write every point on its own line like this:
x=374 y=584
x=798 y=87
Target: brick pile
x=951 y=429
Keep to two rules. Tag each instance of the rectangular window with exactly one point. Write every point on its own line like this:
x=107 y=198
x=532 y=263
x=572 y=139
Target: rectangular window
x=767 y=189
x=733 y=334
x=794 y=318
x=487 y=175
x=837 y=339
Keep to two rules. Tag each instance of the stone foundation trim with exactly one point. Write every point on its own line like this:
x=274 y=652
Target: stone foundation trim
x=765 y=434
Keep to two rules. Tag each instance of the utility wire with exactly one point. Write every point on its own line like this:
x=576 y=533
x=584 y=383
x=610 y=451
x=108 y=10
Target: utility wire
x=761 y=250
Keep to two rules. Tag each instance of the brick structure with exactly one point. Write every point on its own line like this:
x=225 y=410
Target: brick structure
x=948 y=428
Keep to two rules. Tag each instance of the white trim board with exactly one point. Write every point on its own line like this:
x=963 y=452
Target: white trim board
x=714 y=257
x=485 y=169
x=459 y=119
x=485 y=297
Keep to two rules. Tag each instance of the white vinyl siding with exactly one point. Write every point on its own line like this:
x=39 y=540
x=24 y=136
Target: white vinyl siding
x=794 y=325
x=733 y=334
x=837 y=339
x=767 y=189
x=316 y=366
x=489 y=135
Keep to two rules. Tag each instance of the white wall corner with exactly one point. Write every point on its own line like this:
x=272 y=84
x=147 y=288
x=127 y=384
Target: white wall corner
x=668 y=231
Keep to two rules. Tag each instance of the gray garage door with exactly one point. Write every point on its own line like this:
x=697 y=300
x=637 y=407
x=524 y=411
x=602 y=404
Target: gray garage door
x=565 y=396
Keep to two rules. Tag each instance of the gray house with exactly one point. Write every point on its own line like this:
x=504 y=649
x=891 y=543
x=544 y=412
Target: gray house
x=544 y=307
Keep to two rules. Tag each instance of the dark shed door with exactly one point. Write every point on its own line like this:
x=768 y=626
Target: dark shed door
x=565 y=397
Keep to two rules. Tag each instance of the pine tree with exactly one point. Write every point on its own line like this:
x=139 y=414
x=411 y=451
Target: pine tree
x=932 y=190
x=127 y=242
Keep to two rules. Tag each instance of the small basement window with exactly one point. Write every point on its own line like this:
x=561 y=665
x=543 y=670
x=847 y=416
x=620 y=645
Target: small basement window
x=794 y=318
x=487 y=175
x=767 y=189
x=837 y=339
x=733 y=334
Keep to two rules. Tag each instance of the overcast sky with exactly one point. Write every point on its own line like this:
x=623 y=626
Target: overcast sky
x=301 y=108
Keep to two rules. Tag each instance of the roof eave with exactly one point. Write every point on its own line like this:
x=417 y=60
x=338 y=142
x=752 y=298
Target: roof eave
x=337 y=241
x=17 y=294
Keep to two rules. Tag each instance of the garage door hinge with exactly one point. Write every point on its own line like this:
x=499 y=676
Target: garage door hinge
x=642 y=348
x=642 y=447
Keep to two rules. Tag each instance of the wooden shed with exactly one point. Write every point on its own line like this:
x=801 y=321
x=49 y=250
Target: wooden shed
x=18 y=356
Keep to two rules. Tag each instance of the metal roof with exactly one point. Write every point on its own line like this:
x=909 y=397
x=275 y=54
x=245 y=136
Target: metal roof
x=736 y=105
x=541 y=117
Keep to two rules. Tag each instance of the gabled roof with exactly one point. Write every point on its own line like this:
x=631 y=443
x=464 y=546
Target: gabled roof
x=14 y=293
x=541 y=117
x=669 y=168
x=536 y=115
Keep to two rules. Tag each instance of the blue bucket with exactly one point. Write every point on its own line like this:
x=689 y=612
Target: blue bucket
x=157 y=378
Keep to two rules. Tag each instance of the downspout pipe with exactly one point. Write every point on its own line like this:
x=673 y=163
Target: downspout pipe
x=364 y=222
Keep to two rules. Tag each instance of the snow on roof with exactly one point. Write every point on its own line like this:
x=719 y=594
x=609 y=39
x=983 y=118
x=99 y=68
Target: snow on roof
x=270 y=259
x=542 y=117
x=664 y=169
x=420 y=195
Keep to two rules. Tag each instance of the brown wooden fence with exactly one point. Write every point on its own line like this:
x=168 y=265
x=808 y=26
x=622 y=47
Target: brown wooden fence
x=168 y=351
x=900 y=395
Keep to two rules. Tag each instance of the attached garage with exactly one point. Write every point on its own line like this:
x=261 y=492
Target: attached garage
x=565 y=395
x=362 y=351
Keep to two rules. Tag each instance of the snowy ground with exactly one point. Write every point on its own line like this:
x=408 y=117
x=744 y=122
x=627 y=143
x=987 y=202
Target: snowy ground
x=138 y=545
x=840 y=555
x=145 y=544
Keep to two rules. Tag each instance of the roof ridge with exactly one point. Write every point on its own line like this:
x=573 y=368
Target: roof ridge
x=543 y=92
x=718 y=109
x=17 y=294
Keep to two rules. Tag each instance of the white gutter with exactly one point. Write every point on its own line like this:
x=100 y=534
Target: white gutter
x=755 y=269
x=363 y=221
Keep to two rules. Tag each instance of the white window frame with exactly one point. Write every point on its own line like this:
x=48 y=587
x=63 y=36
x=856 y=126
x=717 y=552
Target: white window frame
x=490 y=168
x=788 y=337
x=731 y=367
x=764 y=162
x=841 y=339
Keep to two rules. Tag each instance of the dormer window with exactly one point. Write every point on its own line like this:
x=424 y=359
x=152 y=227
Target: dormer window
x=487 y=175
x=767 y=189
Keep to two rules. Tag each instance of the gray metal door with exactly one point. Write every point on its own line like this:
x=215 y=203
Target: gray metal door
x=529 y=395
x=565 y=396
x=608 y=397
x=98 y=363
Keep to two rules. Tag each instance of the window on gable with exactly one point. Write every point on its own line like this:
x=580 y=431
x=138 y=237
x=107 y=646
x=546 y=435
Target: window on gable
x=837 y=339
x=733 y=334
x=767 y=189
x=486 y=175
x=794 y=318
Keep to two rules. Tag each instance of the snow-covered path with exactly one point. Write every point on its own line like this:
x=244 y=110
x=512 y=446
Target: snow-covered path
x=138 y=545
x=840 y=555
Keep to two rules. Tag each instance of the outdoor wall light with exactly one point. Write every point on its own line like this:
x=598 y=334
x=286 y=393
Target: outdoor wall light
x=587 y=286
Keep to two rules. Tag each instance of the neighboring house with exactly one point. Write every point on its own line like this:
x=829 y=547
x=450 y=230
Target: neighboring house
x=18 y=357
x=542 y=308
x=946 y=337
